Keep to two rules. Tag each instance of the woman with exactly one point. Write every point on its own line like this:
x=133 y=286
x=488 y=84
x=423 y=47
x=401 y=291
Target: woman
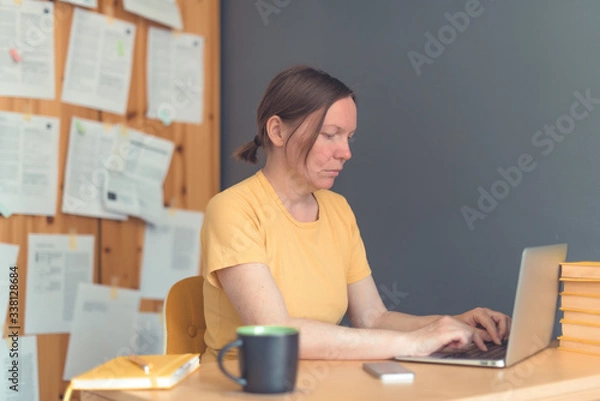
x=281 y=248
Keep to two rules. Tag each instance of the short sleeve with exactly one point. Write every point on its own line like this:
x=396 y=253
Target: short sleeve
x=231 y=235
x=359 y=264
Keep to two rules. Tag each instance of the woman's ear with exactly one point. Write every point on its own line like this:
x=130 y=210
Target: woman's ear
x=275 y=130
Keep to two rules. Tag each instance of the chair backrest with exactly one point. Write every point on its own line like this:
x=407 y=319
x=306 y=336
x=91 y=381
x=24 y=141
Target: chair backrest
x=184 y=317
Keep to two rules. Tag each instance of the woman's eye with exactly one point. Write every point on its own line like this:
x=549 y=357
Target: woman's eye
x=329 y=136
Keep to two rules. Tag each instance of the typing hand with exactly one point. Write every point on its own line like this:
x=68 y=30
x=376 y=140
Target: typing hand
x=445 y=332
x=490 y=325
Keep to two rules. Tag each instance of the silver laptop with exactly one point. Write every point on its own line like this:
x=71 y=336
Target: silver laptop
x=533 y=317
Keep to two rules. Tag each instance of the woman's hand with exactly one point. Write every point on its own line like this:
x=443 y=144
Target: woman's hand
x=490 y=325
x=445 y=331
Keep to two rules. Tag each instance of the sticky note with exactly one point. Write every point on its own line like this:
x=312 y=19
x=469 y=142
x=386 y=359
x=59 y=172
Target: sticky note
x=5 y=211
x=72 y=240
x=79 y=126
x=113 y=287
x=14 y=54
x=107 y=127
x=120 y=48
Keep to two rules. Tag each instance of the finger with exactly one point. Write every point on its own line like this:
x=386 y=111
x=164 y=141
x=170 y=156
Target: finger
x=508 y=327
x=460 y=337
x=479 y=341
x=485 y=336
x=501 y=324
x=488 y=323
x=507 y=323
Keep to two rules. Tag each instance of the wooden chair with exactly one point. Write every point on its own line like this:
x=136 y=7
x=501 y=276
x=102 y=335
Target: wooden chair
x=184 y=317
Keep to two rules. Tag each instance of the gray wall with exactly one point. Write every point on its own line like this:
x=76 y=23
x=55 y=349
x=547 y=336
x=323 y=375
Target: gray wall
x=429 y=143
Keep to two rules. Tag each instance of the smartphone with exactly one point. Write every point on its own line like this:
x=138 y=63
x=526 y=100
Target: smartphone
x=390 y=372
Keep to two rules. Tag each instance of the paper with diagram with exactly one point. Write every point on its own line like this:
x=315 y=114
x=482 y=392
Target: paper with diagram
x=90 y=145
x=137 y=166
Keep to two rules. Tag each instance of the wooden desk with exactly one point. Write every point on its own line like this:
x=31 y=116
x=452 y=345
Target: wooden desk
x=549 y=375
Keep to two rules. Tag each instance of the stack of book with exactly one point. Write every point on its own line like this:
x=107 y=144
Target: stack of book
x=580 y=304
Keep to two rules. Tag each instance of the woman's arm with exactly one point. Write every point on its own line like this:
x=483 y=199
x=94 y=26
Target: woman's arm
x=253 y=292
x=366 y=309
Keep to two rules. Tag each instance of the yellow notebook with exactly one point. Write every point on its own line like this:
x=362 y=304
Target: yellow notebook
x=584 y=269
x=579 y=345
x=122 y=373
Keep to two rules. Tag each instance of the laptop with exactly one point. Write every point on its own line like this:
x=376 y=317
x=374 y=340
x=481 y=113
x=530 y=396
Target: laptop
x=533 y=317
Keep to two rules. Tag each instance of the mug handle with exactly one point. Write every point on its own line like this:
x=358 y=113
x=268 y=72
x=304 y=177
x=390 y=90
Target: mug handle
x=239 y=380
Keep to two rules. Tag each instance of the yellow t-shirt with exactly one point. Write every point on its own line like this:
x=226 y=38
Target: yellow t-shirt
x=311 y=262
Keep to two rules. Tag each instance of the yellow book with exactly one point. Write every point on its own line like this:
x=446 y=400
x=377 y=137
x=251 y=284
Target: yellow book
x=581 y=285
x=584 y=269
x=590 y=302
x=137 y=373
x=579 y=345
x=581 y=330
x=581 y=315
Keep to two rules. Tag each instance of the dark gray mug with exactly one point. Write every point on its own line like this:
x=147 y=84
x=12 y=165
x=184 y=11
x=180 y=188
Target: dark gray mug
x=268 y=358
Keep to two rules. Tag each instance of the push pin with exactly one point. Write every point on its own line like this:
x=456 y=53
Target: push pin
x=14 y=54
x=164 y=117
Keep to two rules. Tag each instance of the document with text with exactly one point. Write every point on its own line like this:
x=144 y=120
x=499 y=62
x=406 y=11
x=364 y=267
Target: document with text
x=27 y=49
x=90 y=145
x=29 y=148
x=57 y=263
x=137 y=166
x=8 y=258
x=102 y=327
x=165 y=12
x=175 y=76
x=25 y=358
x=171 y=252
x=99 y=62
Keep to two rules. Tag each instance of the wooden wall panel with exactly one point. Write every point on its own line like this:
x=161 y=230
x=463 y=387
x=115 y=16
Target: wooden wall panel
x=192 y=179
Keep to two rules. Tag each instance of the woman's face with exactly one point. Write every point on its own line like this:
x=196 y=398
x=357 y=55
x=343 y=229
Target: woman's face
x=331 y=149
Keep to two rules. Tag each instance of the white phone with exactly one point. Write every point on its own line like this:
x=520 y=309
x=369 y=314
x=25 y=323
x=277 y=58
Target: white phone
x=390 y=372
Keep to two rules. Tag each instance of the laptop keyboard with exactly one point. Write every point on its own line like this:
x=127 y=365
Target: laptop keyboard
x=494 y=352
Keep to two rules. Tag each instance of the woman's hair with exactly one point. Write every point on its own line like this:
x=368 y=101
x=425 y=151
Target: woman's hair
x=293 y=95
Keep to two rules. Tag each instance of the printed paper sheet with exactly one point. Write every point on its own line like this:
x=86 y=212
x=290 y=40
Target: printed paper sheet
x=102 y=327
x=56 y=265
x=171 y=252
x=27 y=49
x=99 y=62
x=175 y=78
x=29 y=148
